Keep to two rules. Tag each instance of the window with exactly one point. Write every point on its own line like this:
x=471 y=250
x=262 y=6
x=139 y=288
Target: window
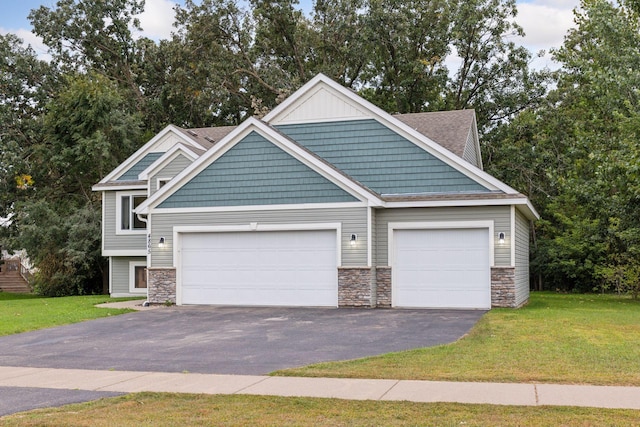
x=162 y=182
x=127 y=220
x=137 y=276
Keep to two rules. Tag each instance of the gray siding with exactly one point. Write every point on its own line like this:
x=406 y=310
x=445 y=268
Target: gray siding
x=172 y=169
x=470 y=153
x=374 y=239
x=132 y=173
x=120 y=241
x=522 y=258
x=354 y=220
x=380 y=158
x=120 y=273
x=499 y=214
x=256 y=172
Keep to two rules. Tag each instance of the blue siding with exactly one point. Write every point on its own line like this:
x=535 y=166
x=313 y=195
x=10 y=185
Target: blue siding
x=256 y=172
x=380 y=158
x=134 y=171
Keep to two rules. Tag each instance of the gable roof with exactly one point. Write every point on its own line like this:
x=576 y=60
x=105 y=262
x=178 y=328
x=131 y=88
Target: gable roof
x=298 y=152
x=323 y=101
x=448 y=128
x=160 y=143
x=363 y=109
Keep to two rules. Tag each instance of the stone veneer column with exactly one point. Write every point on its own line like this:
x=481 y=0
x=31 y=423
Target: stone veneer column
x=161 y=282
x=503 y=287
x=355 y=287
x=383 y=287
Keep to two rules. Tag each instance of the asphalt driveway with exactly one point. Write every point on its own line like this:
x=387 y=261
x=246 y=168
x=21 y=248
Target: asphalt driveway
x=225 y=340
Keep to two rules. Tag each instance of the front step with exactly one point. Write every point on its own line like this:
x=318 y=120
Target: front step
x=14 y=284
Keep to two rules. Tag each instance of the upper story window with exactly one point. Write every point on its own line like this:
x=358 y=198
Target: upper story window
x=127 y=221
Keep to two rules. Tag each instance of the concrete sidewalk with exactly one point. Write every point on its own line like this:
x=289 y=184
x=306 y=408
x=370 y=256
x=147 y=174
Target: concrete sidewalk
x=353 y=389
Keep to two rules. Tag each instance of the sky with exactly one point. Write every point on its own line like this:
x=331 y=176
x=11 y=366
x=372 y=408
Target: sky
x=545 y=22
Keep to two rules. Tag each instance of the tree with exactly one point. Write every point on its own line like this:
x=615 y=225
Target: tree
x=95 y=35
x=494 y=76
x=408 y=43
x=25 y=85
x=579 y=155
x=88 y=133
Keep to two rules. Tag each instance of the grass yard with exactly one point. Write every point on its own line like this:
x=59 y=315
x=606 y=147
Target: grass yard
x=154 y=409
x=593 y=339
x=24 y=312
x=575 y=339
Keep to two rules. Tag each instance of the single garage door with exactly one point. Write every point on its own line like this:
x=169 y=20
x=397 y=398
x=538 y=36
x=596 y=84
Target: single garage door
x=262 y=268
x=441 y=268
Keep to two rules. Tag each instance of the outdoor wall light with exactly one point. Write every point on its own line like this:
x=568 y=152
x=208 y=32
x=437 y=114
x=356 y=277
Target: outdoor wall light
x=161 y=243
x=354 y=237
x=501 y=237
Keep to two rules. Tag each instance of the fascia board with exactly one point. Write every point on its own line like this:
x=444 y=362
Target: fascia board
x=142 y=151
x=523 y=204
x=235 y=137
x=386 y=119
x=107 y=187
x=165 y=159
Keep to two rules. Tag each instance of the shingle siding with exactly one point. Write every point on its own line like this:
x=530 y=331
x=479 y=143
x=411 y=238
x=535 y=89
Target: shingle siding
x=256 y=172
x=379 y=158
x=132 y=173
x=499 y=214
x=522 y=259
x=353 y=220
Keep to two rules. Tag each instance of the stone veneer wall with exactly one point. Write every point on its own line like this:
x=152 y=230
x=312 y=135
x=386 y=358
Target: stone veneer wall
x=355 y=286
x=383 y=286
x=162 y=285
x=503 y=287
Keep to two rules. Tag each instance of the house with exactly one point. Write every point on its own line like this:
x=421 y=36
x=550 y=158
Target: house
x=325 y=201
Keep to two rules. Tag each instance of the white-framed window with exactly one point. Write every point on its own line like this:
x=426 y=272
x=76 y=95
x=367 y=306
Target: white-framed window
x=138 y=277
x=162 y=182
x=127 y=222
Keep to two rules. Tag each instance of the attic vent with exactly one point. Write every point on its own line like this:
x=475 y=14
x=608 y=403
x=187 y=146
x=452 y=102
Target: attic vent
x=192 y=133
x=211 y=140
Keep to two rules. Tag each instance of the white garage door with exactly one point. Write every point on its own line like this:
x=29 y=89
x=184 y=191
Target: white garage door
x=282 y=268
x=441 y=268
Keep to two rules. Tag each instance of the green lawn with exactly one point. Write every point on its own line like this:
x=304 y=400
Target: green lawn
x=23 y=312
x=156 y=409
x=593 y=339
x=575 y=339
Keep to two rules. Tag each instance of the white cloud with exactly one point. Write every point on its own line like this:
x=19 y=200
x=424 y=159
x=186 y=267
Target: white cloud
x=545 y=23
x=157 y=19
x=30 y=39
x=544 y=26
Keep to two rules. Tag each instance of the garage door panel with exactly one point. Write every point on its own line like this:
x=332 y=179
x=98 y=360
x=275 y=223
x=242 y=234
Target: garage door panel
x=442 y=268
x=289 y=268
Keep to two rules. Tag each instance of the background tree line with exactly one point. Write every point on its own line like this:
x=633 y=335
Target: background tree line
x=567 y=139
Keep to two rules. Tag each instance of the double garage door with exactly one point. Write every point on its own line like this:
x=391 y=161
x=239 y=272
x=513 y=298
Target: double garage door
x=263 y=268
x=440 y=268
